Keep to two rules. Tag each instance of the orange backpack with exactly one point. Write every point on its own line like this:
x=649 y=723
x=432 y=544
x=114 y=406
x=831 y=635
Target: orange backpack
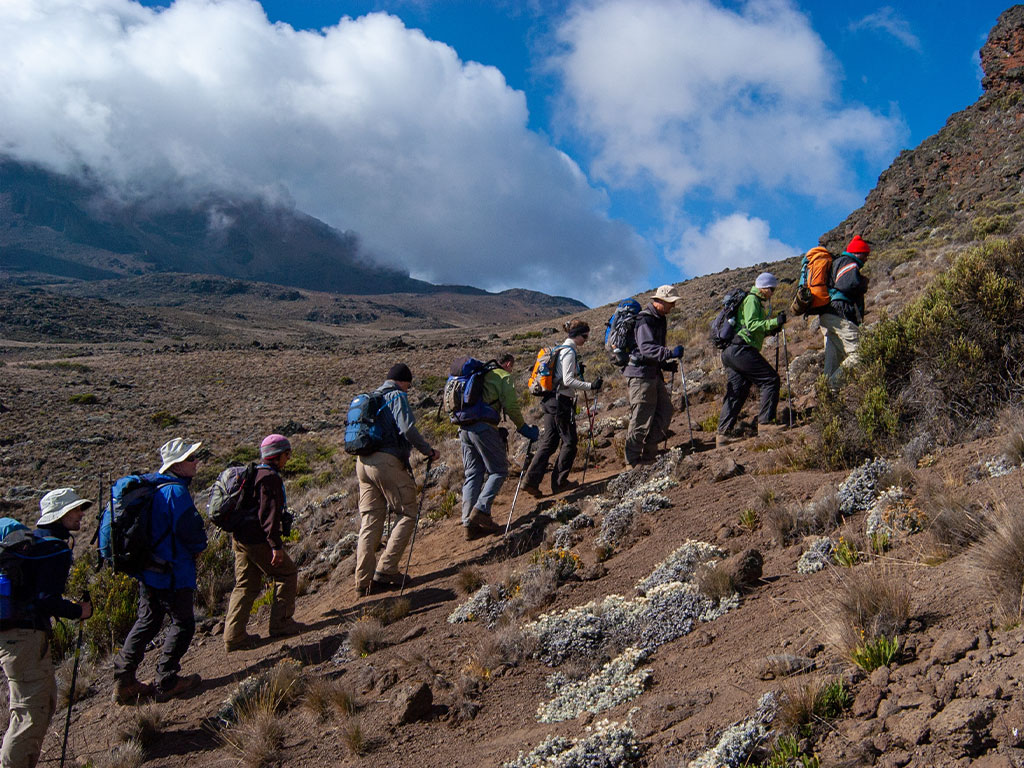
x=542 y=378
x=812 y=293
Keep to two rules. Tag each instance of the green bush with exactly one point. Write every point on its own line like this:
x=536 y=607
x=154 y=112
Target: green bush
x=164 y=419
x=60 y=365
x=991 y=225
x=432 y=383
x=114 y=604
x=83 y=398
x=527 y=335
x=215 y=572
x=346 y=381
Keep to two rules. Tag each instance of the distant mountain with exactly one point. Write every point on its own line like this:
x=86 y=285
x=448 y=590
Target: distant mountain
x=967 y=180
x=53 y=225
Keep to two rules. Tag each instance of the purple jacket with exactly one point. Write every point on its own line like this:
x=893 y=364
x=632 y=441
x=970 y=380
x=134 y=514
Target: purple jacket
x=650 y=332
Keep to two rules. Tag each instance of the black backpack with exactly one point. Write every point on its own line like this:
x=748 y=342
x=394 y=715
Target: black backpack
x=22 y=552
x=124 y=532
x=231 y=498
x=619 y=334
x=724 y=326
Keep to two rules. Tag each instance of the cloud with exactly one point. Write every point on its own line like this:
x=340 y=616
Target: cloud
x=734 y=241
x=367 y=125
x=695 y=98
x=887 y=20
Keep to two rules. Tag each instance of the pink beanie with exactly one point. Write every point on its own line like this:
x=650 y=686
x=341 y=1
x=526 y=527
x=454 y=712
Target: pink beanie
x=272 y=445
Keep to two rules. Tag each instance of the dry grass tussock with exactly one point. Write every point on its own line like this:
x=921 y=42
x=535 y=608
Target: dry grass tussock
x=789 y=522
x=88 y=673
x=867 y=602
x=366 y=635
x=715 y=581
x=130 y=754
x=1013 y=445
x=354 y=738
x=389 y=611
x=469 y=580
x=998 y=561
x=141 y=726
x=506 y=647
x=807 y=702
x=955 y=520
x=258 y=734
x=329 y=698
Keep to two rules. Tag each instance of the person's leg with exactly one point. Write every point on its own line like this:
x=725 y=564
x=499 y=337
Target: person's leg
x=737 y=387
x=642 y=406
x=286 y=585
x=491 y=449
x=849 y=334
x=660 y=421
x=178 y=603
x=759 y=371
x=400 y=491
x=473 y=464
x=248 y=582
x=372 y=510
x=565 y=422
x=547 y=443
x=147 y=625
x=834 y=347
x=26 y=661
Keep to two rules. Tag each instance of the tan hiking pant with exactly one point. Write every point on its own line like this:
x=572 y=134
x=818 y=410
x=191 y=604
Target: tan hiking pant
x=384 y=483
x=841 y=340
x=25 y=658
x=252 y=563
x=650 y=412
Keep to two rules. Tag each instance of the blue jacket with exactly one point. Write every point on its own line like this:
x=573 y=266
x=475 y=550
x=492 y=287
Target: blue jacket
x=400 y=432
x=178 y=535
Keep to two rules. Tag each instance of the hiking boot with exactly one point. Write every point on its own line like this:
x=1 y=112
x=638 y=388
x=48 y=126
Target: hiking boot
x=385 y=581
x=723 y=440
x=533 y=490
x=245 y=643
x=132 y=692
x=568 y=485
x=482 y=522
x=288 y=628
x=179 y=686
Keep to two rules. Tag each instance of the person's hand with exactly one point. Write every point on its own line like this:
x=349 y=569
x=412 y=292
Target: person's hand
x=436 y=455
x=276 y=557
x=529 y=431
x=781 y=318
x=678 y=351
x=596 y=384
x=86 y=607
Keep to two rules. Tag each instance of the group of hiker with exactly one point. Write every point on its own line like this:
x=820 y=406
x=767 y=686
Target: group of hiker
x=381 y=432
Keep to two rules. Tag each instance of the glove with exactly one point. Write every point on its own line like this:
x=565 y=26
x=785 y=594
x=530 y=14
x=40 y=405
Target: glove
x=596 y=384
x=529 y=431
x=781 y=318
x=670 y=365
x=678 y=351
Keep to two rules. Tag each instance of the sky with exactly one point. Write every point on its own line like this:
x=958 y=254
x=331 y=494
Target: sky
x=589 y=148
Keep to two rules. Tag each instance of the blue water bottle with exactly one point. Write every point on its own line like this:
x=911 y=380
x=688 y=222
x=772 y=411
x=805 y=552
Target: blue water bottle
x=5 y=597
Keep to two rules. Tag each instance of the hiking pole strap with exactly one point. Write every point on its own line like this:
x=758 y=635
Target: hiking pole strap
x=522 y=473
x=416 y=525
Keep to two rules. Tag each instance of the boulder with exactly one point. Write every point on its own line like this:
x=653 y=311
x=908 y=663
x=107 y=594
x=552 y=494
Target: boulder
x=411 y=702
x=962 y=727
x=953 y=646
x=745 y=568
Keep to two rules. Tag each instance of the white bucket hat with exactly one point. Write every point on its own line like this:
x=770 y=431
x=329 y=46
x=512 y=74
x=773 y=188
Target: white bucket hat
x=54 y=505
x=174 y=451
x=666 y=293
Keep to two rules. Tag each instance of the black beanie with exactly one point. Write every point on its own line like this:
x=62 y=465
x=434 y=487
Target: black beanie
x=400 y=372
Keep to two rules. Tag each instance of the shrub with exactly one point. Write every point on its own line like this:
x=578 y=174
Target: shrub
x=345 y=381
x=243 y=454
x=802 y=704
x=328 y=698
x=846 y=554
x=215 y=573
x=83 y=398
x=366 y=635
x=114 y=604
x=389 y=611
x=715 y=581
x=449 y=503
x=164 y=419
x=258 y=733
x=955 y=520
x=131 y=754
x=749 y=520
x=998 y=559
x=868 y=603
x=879 y=652
x=710 y=424
x=469 y=580
x=142 y=726
x=354 y=739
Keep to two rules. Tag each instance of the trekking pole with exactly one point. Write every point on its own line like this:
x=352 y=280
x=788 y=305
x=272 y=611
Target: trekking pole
x=590 y=442
x=686 y=403
x=789 y=390
x=423 y=495
x=526 y=463
x=74 y=681
x=671 y=386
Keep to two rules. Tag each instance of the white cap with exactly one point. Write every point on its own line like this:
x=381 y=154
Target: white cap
x=666 y=293
x=174 y=451
x=766 y=280
x=54 y=505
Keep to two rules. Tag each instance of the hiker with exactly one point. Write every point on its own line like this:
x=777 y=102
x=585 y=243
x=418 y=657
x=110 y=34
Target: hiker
x=485 y=450
x=650 y=403
x=745 y=365
x=841 y=318
x=560 y=414
x=25 y=635
x=167 y=585
x=259 y=551
x=385 y=480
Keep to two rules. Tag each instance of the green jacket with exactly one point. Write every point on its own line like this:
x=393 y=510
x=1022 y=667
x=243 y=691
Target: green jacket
x=754 y=321
x=500 y=393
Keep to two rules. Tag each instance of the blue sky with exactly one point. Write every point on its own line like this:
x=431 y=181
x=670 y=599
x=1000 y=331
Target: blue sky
x=589 y=148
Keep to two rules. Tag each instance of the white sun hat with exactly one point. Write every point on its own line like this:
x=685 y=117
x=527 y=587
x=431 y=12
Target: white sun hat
x=55 y=504
x=174 y=451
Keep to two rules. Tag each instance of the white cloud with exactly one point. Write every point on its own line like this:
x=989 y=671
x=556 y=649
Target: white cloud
x=692 y=96
x=887 y=20
x=367 y=125
x=734 y=241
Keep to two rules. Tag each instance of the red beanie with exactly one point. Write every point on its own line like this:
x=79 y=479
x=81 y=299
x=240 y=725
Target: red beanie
x=857 y=245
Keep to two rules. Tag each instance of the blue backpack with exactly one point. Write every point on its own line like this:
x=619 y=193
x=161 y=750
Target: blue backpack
x=364 y=425
x=619 y=336
x=125 y=525
x=724 y=326
x=463 y=392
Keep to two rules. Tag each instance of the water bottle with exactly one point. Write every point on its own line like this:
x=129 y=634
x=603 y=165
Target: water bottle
x=5 y=597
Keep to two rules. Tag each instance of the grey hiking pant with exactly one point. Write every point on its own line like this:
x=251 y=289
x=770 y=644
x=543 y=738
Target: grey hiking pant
x=650 y=413
x=154 y=604
x=486 y=464
x=745 y=366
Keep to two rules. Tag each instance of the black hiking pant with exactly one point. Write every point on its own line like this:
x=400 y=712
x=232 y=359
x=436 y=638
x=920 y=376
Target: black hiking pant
x=559 y=426
x=154 y=605
x=745 y=366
